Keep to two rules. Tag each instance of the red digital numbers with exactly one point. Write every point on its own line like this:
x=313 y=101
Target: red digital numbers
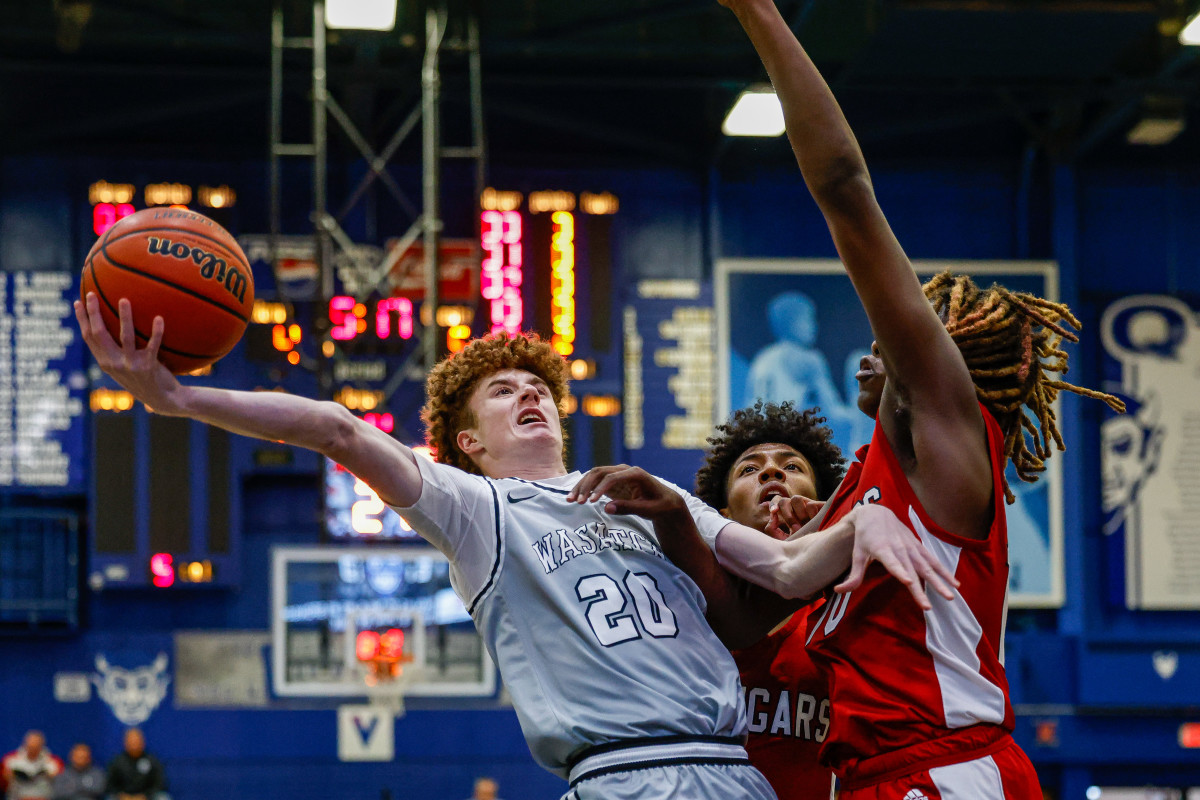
x=502 y=268
x=403 y=309
x=373 y=646
x=349 y=318
x=162 y=570
x=385 y=422
x=105 y=215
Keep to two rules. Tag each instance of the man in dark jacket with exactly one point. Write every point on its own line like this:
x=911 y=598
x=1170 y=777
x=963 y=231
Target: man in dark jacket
x=135 y=774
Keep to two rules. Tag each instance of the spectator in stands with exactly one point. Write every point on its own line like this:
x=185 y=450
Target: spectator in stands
x=135 y=774
x=485 y=789
x=81 y=780
x=30 y=769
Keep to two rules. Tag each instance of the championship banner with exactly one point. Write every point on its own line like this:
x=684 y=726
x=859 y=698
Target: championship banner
x=794 y=330
x=1150 y=455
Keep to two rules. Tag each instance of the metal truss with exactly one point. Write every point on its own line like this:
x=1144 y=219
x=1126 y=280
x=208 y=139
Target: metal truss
x=330 y=239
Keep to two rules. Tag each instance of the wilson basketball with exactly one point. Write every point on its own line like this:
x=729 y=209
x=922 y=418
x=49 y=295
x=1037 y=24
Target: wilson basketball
x=179 y=265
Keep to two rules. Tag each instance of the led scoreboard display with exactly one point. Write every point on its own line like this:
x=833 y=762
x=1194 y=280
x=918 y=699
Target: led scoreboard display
x=113 y=201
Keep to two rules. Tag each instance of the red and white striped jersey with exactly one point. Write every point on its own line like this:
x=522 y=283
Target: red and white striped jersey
x=906 y=684
x=787 y=707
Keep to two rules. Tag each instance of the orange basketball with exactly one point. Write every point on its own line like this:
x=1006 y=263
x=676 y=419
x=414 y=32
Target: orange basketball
x=179 y=265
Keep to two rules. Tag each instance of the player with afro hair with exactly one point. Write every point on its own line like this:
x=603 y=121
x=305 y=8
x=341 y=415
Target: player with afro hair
x=781 y=423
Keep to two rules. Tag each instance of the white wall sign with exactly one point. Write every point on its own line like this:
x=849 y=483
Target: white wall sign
x=366 y=733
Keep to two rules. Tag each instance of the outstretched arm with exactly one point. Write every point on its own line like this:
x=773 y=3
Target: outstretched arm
x=922 y=362
x=739 y=612
x=874 y=533
x=798 y=568
x=385 y=464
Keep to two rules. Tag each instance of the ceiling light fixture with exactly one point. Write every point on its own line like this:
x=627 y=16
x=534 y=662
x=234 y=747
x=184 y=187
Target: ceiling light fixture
x=1190 y=35
x=756 y=112
x=363 y=15
x=1161 y=121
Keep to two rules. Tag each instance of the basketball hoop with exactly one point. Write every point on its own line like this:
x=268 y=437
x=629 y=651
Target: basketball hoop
x=385 y=659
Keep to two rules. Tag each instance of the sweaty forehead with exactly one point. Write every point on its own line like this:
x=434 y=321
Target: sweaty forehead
x=766 y=450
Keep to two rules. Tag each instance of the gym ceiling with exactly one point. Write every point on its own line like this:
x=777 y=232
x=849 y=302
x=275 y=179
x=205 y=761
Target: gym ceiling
x=613 y=83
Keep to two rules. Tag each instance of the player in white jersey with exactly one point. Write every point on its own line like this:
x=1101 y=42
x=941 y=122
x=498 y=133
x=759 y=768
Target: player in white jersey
x=618 y=681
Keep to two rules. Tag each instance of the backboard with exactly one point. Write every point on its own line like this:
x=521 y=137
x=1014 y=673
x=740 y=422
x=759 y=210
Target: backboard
x=324 y=598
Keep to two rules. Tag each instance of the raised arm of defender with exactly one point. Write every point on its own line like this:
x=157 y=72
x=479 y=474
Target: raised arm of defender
x=940 y=425
x=912 y=339
x=385 y=464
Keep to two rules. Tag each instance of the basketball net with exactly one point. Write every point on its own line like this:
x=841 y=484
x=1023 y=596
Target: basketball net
x=386 y=662
x=387 y=688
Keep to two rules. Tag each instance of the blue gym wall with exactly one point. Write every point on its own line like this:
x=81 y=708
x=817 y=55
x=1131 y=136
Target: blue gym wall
x=1092 y=709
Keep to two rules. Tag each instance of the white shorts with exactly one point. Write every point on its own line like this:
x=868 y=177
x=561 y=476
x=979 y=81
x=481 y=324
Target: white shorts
x=679 y=771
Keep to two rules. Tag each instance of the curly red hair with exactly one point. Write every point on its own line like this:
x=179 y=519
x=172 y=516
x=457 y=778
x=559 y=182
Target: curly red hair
x=453 y=380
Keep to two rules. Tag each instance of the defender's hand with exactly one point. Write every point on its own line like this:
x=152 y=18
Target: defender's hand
x=880 y=536
x=789 y=514
x=631 y=490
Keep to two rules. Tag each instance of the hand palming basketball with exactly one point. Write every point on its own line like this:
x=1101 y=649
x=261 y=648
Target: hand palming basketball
x=179 y=265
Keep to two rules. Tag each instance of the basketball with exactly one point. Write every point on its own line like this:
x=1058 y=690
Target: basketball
x=179 y=265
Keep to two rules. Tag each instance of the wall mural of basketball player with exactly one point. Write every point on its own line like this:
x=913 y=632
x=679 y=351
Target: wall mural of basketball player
x=796 y=335
x=792 y=369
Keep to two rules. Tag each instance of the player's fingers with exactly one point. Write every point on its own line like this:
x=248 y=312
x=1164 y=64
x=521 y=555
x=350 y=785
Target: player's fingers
x=156 y=337
x=773 y=523
x=791 y=512
x=777 y=521
x=898 y=563
x=858 y=568
x=631 y=505
x=96 y=328
x=588 y=479
x=934 y=573
x=128 y=338
x=619 y=482
x=812 y=507
x=580 y=491
x=85 y=327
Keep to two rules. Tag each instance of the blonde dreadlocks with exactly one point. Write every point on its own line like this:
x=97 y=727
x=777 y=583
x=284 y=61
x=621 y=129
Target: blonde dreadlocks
x=1011 y=342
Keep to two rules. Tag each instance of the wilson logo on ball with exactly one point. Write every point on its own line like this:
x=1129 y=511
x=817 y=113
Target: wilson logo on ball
x=211 y=267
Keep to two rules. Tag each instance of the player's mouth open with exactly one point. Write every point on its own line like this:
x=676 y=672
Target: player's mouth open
x=771 y=491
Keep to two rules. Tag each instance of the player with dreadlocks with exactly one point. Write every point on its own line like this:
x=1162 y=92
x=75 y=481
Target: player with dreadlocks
x=1011 y=342
x=920 y=699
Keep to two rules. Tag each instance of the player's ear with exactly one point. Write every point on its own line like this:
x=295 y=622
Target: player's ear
x=468 y=443
x=724 y=512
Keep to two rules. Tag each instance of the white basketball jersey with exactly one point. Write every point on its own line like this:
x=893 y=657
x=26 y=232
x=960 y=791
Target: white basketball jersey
x=598 y=636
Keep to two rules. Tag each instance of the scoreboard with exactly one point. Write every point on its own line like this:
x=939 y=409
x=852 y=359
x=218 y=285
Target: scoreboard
x=165 y=493
x=43 y=388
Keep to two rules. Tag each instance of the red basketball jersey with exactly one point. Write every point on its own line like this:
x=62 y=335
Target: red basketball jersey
x=787 y=705
x=912 y=687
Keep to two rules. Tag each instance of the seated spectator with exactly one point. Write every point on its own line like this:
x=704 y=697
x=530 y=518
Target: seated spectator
x=135 y=774
x=485 y=789
x=30 y=769
x=81 y=780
